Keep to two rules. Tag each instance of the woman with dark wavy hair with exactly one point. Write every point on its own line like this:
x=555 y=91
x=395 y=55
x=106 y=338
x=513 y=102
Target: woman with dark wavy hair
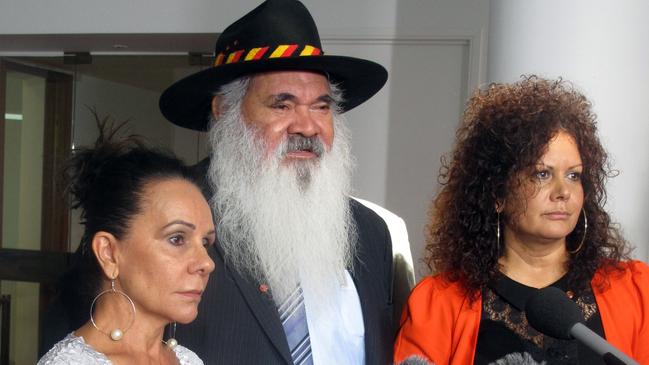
x=521 y=208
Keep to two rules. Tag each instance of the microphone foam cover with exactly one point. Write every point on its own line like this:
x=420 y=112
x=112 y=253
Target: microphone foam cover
x=549 y=311
x=415 y=360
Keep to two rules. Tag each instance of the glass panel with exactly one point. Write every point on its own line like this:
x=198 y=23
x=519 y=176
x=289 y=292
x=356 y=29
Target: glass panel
x=24 y=316
x=23 y=161
x=21 y=210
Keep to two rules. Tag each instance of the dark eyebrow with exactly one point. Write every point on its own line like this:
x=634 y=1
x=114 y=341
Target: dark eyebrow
x=326 y=98
x=179 y=221
x=282 y=97
x=278 y=98
x=552 y=167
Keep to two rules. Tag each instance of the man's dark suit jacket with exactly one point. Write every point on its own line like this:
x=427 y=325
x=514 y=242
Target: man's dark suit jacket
x=238 y=324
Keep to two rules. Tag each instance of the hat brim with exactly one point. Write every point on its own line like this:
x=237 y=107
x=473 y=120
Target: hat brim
x=187 y=103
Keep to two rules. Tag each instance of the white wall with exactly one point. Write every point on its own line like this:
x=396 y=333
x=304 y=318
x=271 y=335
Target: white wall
x=358 y=17
x=120 y=102
x=434 y=52
x=603 y=48
x=117 y=16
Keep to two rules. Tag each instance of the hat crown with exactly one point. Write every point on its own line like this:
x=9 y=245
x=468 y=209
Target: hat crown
x=273 y=23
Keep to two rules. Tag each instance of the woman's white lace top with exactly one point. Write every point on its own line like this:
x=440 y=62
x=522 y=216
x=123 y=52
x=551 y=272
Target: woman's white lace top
x=73 y=350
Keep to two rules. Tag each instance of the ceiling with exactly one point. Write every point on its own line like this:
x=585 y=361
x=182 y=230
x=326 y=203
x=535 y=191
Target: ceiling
x=148 y=61
x=108 y=43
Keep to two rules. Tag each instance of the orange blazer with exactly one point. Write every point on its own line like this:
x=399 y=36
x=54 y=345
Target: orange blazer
x=440 y=324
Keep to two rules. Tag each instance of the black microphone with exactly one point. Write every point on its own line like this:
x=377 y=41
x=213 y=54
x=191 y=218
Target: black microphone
x=551 y=312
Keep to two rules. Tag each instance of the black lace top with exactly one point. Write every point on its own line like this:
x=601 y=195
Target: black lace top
x=505 y=337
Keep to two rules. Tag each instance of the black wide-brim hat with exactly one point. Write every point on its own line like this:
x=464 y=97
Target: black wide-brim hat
x=278 y=35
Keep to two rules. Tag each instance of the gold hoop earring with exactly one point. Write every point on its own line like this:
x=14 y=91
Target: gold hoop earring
x=583 y=237
x=171 y=341
x=117 y=333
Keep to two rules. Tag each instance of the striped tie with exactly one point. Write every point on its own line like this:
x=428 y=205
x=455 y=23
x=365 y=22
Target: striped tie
x=293 y=316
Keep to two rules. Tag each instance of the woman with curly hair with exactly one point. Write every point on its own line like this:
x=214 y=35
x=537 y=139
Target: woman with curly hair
x=522 y=208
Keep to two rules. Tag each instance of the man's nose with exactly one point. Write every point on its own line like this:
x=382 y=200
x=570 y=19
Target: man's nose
x=304 y=123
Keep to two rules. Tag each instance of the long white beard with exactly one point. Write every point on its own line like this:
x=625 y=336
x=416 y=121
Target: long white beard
x=284 y=224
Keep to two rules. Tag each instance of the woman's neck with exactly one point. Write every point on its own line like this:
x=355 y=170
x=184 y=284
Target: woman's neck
x=534 y=264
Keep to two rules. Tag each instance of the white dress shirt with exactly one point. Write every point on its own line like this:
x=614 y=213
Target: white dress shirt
x=338 y=335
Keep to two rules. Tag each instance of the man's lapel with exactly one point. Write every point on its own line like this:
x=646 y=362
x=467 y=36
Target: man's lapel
x=368 y=285
x=359 y=275
x=264 y=310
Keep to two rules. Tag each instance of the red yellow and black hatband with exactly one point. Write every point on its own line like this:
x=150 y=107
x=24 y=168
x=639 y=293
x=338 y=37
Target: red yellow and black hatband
x=255 y=54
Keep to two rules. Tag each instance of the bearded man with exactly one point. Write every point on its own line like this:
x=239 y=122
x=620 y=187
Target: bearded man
x=303 y=273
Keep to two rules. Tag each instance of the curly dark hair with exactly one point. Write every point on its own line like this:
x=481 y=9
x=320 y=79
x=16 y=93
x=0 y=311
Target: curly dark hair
x=505 y=131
